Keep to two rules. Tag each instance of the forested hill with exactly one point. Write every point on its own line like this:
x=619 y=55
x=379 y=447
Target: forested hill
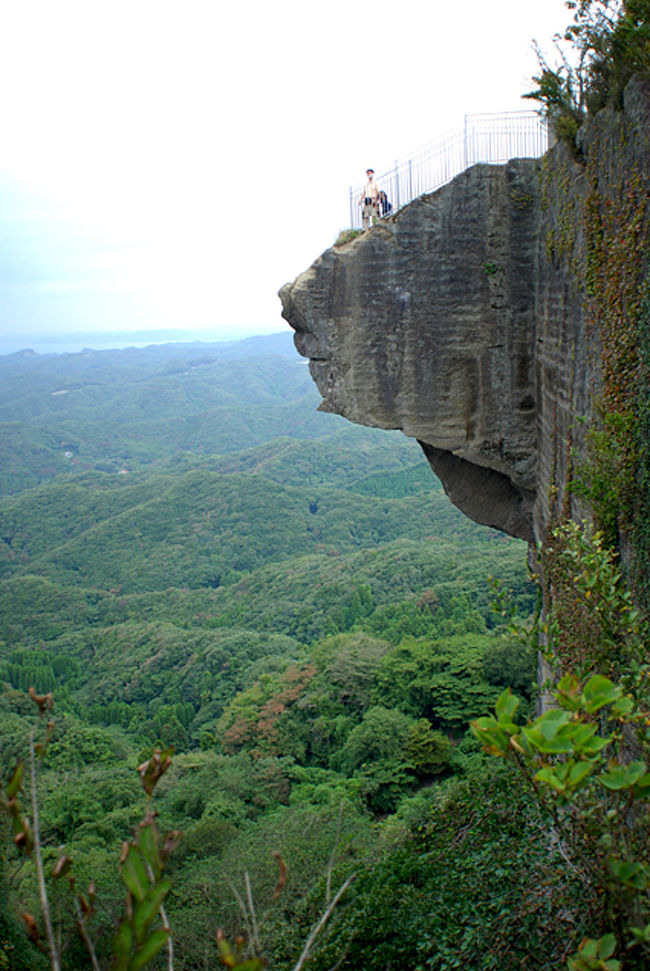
x=126 y=409
x=192 y=556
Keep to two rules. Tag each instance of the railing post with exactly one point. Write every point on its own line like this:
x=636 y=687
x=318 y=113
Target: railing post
x=352 y=226
x=410 y=180
x=397 y=202
x=465 y=143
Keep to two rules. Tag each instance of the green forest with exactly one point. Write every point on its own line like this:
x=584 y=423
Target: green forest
x=192 y=558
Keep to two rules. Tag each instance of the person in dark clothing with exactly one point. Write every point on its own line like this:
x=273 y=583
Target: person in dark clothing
x=384 y=205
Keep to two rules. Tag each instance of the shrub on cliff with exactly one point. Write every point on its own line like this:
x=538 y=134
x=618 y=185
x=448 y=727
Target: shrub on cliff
x=607 y=42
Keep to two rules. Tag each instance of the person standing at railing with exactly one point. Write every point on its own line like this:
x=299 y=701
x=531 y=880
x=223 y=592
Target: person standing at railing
x=369 y=200
x=384 y=205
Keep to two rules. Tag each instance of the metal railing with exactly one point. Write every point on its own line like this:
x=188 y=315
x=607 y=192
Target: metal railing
x=494 y=139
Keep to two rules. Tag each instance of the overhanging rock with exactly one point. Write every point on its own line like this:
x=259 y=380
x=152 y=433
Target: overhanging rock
x=426 y=323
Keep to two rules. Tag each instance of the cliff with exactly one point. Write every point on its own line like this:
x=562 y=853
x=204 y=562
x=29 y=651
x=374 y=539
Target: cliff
x=470 y=319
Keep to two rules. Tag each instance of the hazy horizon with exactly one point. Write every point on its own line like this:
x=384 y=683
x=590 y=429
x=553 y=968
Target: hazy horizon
x=75 y=341
x=171 y=163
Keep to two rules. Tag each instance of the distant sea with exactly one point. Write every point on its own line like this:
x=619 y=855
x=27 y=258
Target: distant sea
x=73 y=343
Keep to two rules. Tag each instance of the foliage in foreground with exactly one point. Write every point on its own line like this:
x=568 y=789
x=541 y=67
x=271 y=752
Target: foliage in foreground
x=143 y=931
x=462 y=876
x=588 y=758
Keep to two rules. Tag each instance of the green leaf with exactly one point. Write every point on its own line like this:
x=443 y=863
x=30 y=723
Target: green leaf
x=623 y=776
x=226 y=953
x=631 y=873
x=565 y=775
x=14 y=786
x=148 y=842
x=594 y=746
x=549 y=724
x=589 y=948
x=642 y=786
x=488 y=731
x=506 y=706
x=582 y=733
x=624 y=706
x=568 y=692
x=149 y=949
x=551 y=778
x=122 y=946
x=593 y=955
x=484 y=724
x=607 y=945
x=579 y=773
x=599 y=691
x=134 y=874
x=553 y=746
x=145 y=911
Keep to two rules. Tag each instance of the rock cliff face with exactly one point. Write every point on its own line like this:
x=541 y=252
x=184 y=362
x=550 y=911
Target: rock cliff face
x=461 y=320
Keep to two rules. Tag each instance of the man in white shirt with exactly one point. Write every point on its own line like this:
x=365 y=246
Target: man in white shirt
x=369 y=200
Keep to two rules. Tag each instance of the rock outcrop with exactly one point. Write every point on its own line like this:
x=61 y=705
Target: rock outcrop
x=461 y=320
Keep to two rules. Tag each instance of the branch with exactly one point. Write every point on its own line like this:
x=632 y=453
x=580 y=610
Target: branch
x=242 y=908
x=251 y=908
x=42 y=890
x=170 y=939
x=330 y=864
x=317 y=928
x=81 y=924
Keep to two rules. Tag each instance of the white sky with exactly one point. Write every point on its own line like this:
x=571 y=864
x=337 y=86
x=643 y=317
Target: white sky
x=172 y=164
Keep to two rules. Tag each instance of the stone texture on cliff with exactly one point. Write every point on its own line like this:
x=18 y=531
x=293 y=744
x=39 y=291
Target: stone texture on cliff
x=614 y=154
x=460 y=321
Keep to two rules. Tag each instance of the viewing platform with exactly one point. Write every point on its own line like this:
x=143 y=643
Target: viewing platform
x=489 y=138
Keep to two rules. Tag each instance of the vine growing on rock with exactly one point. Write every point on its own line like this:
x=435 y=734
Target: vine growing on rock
x=616 y=277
